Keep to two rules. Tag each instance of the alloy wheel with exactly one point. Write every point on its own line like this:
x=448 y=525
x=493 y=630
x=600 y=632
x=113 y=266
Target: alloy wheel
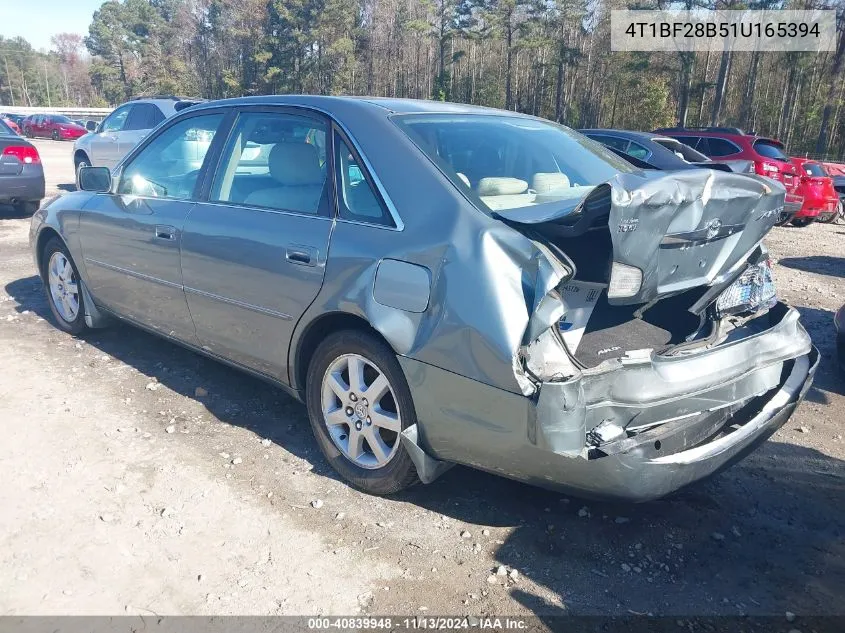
x=64 y=287
x=359 y=409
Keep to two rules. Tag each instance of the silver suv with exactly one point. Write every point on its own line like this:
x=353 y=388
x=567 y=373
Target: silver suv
x=124 y=129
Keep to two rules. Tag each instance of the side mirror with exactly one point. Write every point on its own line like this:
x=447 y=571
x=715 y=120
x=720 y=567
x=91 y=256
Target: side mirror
x=96 y=179
x=91 y=126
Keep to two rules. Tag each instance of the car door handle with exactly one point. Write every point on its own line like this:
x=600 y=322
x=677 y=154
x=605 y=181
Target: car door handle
x=165 y=232
x=301 y=255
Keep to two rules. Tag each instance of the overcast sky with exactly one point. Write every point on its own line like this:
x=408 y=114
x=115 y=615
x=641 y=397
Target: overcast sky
x=39 y=20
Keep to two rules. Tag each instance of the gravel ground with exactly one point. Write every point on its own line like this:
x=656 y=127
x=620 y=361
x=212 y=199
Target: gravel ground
x=141 y=478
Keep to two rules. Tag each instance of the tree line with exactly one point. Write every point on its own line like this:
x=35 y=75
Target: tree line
x=549 y=58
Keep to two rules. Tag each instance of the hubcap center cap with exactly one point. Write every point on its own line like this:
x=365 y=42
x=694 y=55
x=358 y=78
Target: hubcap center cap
x=361 y=410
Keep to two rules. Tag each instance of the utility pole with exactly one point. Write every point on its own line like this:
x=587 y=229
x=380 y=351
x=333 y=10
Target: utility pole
x=9 y=79
x=47 y=83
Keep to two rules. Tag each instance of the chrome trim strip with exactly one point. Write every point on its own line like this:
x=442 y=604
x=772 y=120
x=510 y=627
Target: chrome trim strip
x=133 y=273
x=239 y=304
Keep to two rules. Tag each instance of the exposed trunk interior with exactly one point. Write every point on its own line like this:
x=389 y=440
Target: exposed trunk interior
x=613 y=330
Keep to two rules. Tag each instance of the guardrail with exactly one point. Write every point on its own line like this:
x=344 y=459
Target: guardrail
x=74 y=113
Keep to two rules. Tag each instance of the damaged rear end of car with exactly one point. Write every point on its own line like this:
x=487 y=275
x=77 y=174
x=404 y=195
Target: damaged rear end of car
x=662 y=355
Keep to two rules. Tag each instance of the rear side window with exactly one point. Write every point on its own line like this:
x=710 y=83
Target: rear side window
x=638 y=151
x=610 y=141
x=682 y=149
x=770 y=149
x=275 y=161
x=720 y=147
x=357 y=199
x=692 y=141
x=813 y=169
x=144 y=116
x=5 y=129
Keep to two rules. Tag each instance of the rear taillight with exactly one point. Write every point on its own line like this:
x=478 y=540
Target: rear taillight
x=767 y=169
x=27 y=154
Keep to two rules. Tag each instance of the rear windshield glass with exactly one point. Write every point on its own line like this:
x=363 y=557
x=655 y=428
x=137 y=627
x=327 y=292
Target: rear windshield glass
x=770 y=149
x=813 y=169
x=5 y=129
x=506 y=162
x=685 y=151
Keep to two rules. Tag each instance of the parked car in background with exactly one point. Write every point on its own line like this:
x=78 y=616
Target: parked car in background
x=21 y=172
x=730 y=143
x=17 y=118
x=662 y=152
x=839 y=326
x=836 y=171
x=55 y=126
x=442 y=283
x=124 y=128
x=10 y=123
x=816 y=188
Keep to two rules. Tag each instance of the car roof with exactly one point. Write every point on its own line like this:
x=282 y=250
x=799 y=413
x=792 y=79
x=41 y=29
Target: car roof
x=334 y=105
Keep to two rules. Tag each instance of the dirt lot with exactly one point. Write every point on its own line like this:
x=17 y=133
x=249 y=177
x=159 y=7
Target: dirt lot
x=140 y=477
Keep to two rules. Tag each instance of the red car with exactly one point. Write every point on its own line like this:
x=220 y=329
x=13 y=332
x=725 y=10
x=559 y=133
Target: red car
x=730 y=143
x=12 y=125
x=54 y=126
x=816 y=187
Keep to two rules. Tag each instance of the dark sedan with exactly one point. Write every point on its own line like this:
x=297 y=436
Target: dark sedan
x=661 y=152
x=21 y=172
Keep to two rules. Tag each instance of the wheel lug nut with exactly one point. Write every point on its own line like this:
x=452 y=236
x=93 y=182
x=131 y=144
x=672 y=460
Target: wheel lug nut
x=353 y=397
x=369 y=422
x=358 y=425
x=349 y=411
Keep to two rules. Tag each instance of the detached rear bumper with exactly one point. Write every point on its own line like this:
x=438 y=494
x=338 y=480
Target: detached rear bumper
x=697 y=414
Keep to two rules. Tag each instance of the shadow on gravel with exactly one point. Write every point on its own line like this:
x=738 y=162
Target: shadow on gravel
x=819 y=323
x=8 y=212
x=765 y=537
x=233 y=396
x=819 y=264
x=66 y=187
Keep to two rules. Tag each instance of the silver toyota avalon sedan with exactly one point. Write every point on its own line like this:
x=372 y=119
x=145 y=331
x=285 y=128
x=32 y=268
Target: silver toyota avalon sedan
x=447 y=284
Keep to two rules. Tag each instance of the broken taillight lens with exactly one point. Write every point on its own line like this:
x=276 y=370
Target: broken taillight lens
x=625 y=281
x=753 y=291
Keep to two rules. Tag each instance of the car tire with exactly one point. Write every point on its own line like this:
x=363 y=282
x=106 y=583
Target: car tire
x=830 y=218
x=54 y=135
x=368 y=471
x=53 y=257
x=26 y=208
x=27 y=132
x=802 y=222
x=81 y=161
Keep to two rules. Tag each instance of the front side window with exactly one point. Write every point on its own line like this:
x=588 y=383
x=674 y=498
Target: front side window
x=62 y=120
x=356 y=196
x=116 y=120
x=506 y=162
x=275 y=161
x=169 y=166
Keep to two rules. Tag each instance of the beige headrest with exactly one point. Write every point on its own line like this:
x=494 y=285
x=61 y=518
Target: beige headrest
x=545 y=182
x=501 y=186
x=295 y=164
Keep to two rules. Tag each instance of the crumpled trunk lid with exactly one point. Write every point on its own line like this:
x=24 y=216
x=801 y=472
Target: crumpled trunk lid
x=682 y=229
